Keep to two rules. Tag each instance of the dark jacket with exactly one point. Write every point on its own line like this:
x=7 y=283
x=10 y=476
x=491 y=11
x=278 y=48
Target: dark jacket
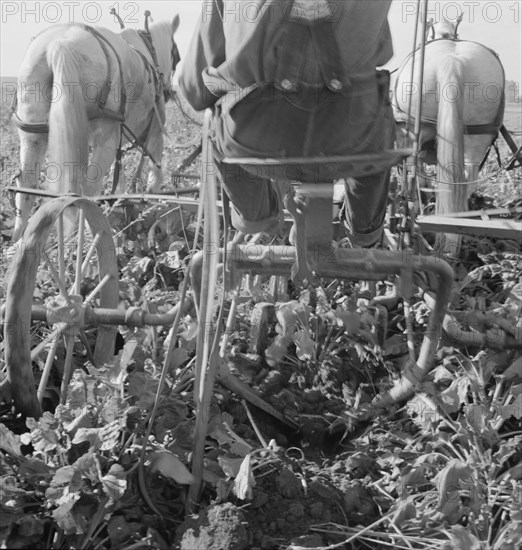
x=239 y=45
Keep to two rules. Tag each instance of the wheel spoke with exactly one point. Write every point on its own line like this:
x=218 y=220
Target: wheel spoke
x=90 y=252
x=59 y=282
x=69 y=344
x=97 y=289
x=79 y=252
x=60 y=328
x=61 y=248
x=47 y=369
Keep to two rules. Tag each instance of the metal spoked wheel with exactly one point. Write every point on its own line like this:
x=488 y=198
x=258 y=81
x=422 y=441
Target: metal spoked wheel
x=57 y=276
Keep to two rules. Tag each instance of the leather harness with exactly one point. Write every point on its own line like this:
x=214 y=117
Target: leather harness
x=102 y=110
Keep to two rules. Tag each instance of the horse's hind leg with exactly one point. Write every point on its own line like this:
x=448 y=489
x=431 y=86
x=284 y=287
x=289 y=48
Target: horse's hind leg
x=105 y=137
x=32 y=153
x=475 y=147
x=154 y=145
x=155 y=177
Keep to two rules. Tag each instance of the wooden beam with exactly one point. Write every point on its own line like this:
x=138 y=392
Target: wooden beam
x=484 y=214
x=500 y=229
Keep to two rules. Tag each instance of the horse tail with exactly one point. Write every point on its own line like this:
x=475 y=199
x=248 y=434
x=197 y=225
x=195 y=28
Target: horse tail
x=450 y=138
x=68 y=123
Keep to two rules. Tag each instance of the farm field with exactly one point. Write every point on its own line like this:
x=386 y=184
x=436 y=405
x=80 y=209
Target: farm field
x=442 y=471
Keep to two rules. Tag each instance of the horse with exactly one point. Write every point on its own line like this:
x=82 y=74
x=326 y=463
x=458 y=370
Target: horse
x=462 y=96
x=82 y=87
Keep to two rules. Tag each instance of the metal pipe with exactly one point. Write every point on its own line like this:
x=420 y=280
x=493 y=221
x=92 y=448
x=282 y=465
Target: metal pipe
x=371 y=263
x=412 y=75
x=344 y=263
x=414 y=373
x=132 y=317
x=495 y=338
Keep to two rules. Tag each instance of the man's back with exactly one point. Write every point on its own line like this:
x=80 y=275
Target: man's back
x=285 y=43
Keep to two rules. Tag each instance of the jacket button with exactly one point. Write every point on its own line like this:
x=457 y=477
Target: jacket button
x=287 y=85
x=335 y=85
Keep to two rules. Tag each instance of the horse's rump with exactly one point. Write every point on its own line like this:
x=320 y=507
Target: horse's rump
x=481 y=88
x=99 y=55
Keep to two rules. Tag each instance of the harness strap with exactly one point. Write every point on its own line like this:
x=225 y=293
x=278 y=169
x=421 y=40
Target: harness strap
x=117 y=164
x=108 y=113
x=30 y=127
x=481 y=129
x=43 y=127
x=158 y=86
x=147 y=40
x=102 y=100
x=492 y=128
x=158 y=77
x=137 y=142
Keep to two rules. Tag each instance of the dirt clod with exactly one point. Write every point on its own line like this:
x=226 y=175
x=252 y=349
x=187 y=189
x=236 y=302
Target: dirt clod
x=218 y=527
x=288 y=484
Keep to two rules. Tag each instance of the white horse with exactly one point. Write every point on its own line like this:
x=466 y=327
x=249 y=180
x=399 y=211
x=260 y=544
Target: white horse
x=82 y=86
x=462 y=97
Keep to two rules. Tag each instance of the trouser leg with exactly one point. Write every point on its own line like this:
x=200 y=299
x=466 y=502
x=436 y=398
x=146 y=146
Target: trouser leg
x=256 y=206
x=364 y=208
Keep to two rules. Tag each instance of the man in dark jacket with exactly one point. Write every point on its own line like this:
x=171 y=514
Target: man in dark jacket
x=294 y=78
